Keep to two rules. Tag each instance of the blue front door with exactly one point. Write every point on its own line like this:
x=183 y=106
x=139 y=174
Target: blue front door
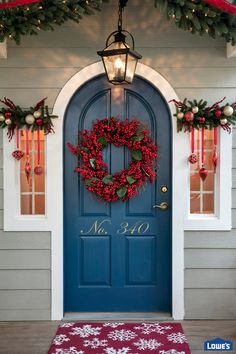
x=117 y=257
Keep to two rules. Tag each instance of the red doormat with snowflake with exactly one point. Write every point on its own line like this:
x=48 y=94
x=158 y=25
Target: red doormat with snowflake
x=119 y=338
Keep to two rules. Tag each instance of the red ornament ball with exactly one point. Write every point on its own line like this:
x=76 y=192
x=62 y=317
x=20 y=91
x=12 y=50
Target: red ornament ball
x=18 y=154
x=218 y=113
x=189 y=116
x=203 y=172
x=38 y=170
x=39 y=122
x=8 y=115
x=193 y=158
x=202 y=120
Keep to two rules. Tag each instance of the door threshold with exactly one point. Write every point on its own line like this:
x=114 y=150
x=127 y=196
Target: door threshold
x=117 y=316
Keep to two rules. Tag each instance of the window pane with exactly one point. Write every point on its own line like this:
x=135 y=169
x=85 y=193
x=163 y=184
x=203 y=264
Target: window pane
x=194 y=203
x=208 y=203
x=26 y=204
x=33 y=189
x=195 y=182
x=202 y=194
x=208 y=184
x=39 y=204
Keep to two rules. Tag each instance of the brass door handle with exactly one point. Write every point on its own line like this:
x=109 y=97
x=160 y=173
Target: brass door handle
x=162 y=206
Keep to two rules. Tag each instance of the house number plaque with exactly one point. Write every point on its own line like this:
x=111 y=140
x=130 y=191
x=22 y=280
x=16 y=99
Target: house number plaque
x=99 y=227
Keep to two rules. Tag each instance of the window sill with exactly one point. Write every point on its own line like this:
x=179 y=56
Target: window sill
x=207 y=223
x=27 y=223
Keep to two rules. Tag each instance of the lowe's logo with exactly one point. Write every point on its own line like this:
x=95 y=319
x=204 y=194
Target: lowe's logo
x=218 y=344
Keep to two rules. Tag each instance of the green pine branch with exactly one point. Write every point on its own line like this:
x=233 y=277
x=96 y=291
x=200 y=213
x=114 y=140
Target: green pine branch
x=194 y=16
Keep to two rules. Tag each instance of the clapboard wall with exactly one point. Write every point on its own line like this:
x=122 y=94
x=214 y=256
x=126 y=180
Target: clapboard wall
x=195 y=67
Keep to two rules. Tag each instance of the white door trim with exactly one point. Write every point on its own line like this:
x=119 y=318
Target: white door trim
x=55 y=187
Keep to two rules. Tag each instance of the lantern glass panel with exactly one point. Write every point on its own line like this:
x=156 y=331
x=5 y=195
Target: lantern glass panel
x=131 y=66
x=115 y=67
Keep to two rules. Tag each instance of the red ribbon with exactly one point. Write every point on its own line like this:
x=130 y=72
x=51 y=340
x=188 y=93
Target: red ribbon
x=38 y=141
x=192 y=140
x=223 y=5
x=8 y=5
x=27 y=143
x=215 y=136
x=215 y=105
x=203 y=147
x=17 y=138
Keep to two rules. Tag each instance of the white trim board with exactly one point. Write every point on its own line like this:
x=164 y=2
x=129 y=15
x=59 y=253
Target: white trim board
x=53 y=221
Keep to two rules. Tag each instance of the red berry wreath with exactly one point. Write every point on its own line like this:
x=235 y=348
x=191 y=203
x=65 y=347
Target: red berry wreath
x=121 y=185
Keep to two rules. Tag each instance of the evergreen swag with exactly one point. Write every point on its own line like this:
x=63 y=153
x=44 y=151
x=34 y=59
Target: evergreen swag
x=198 y=114
x=190 y=15
x=34 y=118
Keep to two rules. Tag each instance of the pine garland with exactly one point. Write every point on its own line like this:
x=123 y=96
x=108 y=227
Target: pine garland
x=194 y=16
x=29 y=20
x=199 y=114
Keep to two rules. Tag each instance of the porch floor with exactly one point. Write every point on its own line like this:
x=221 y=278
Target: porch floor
x=35 y=337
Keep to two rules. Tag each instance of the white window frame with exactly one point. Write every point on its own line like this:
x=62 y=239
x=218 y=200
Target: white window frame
x=223 y=193
x=13 y=220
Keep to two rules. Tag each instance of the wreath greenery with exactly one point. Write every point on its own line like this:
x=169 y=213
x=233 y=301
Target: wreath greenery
x=195 y=16
x=94 y=171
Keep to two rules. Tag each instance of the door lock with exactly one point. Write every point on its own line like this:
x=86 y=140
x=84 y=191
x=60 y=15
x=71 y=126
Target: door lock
x=162 y=206
x=164 y=189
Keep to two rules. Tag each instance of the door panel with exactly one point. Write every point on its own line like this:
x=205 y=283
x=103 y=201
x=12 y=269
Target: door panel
x=117 y=257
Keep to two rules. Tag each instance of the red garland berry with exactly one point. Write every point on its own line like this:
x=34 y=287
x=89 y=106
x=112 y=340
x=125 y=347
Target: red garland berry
x=202 y=120
x=218 y=113
x=8 y=115
x=39 y=122
x=125 y=184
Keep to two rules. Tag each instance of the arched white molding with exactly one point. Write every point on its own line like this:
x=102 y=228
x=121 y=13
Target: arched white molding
x=55 y=187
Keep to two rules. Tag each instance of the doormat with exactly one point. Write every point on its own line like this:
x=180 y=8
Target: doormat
x=119 y=338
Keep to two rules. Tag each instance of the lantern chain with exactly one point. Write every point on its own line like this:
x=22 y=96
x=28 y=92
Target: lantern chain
x=122 y=4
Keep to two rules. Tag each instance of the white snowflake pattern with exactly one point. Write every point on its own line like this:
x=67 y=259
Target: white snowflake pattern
x=171 y=351
x=150 y=344
x=67 y=324
x=85 y=331
x=95 y=343
x=112 y=324
x=60 y=338
x=116 y=351
x=122 y=335
x=177 y=338
x=71 y=350
x=147 y=328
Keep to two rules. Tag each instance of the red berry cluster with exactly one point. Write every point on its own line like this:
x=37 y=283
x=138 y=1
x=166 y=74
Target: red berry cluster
x=94 y=171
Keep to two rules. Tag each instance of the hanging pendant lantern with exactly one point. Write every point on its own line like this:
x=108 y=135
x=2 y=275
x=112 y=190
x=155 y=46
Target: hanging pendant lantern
x=119 y=59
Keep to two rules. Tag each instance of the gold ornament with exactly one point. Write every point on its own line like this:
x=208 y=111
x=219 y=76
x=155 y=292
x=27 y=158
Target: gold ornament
x=2 y=118
x=195 y=109
x=29 y=119
x=37 y=114
x=180 y=115
x=8 y=121
x=228 y=111
x=223 y=121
